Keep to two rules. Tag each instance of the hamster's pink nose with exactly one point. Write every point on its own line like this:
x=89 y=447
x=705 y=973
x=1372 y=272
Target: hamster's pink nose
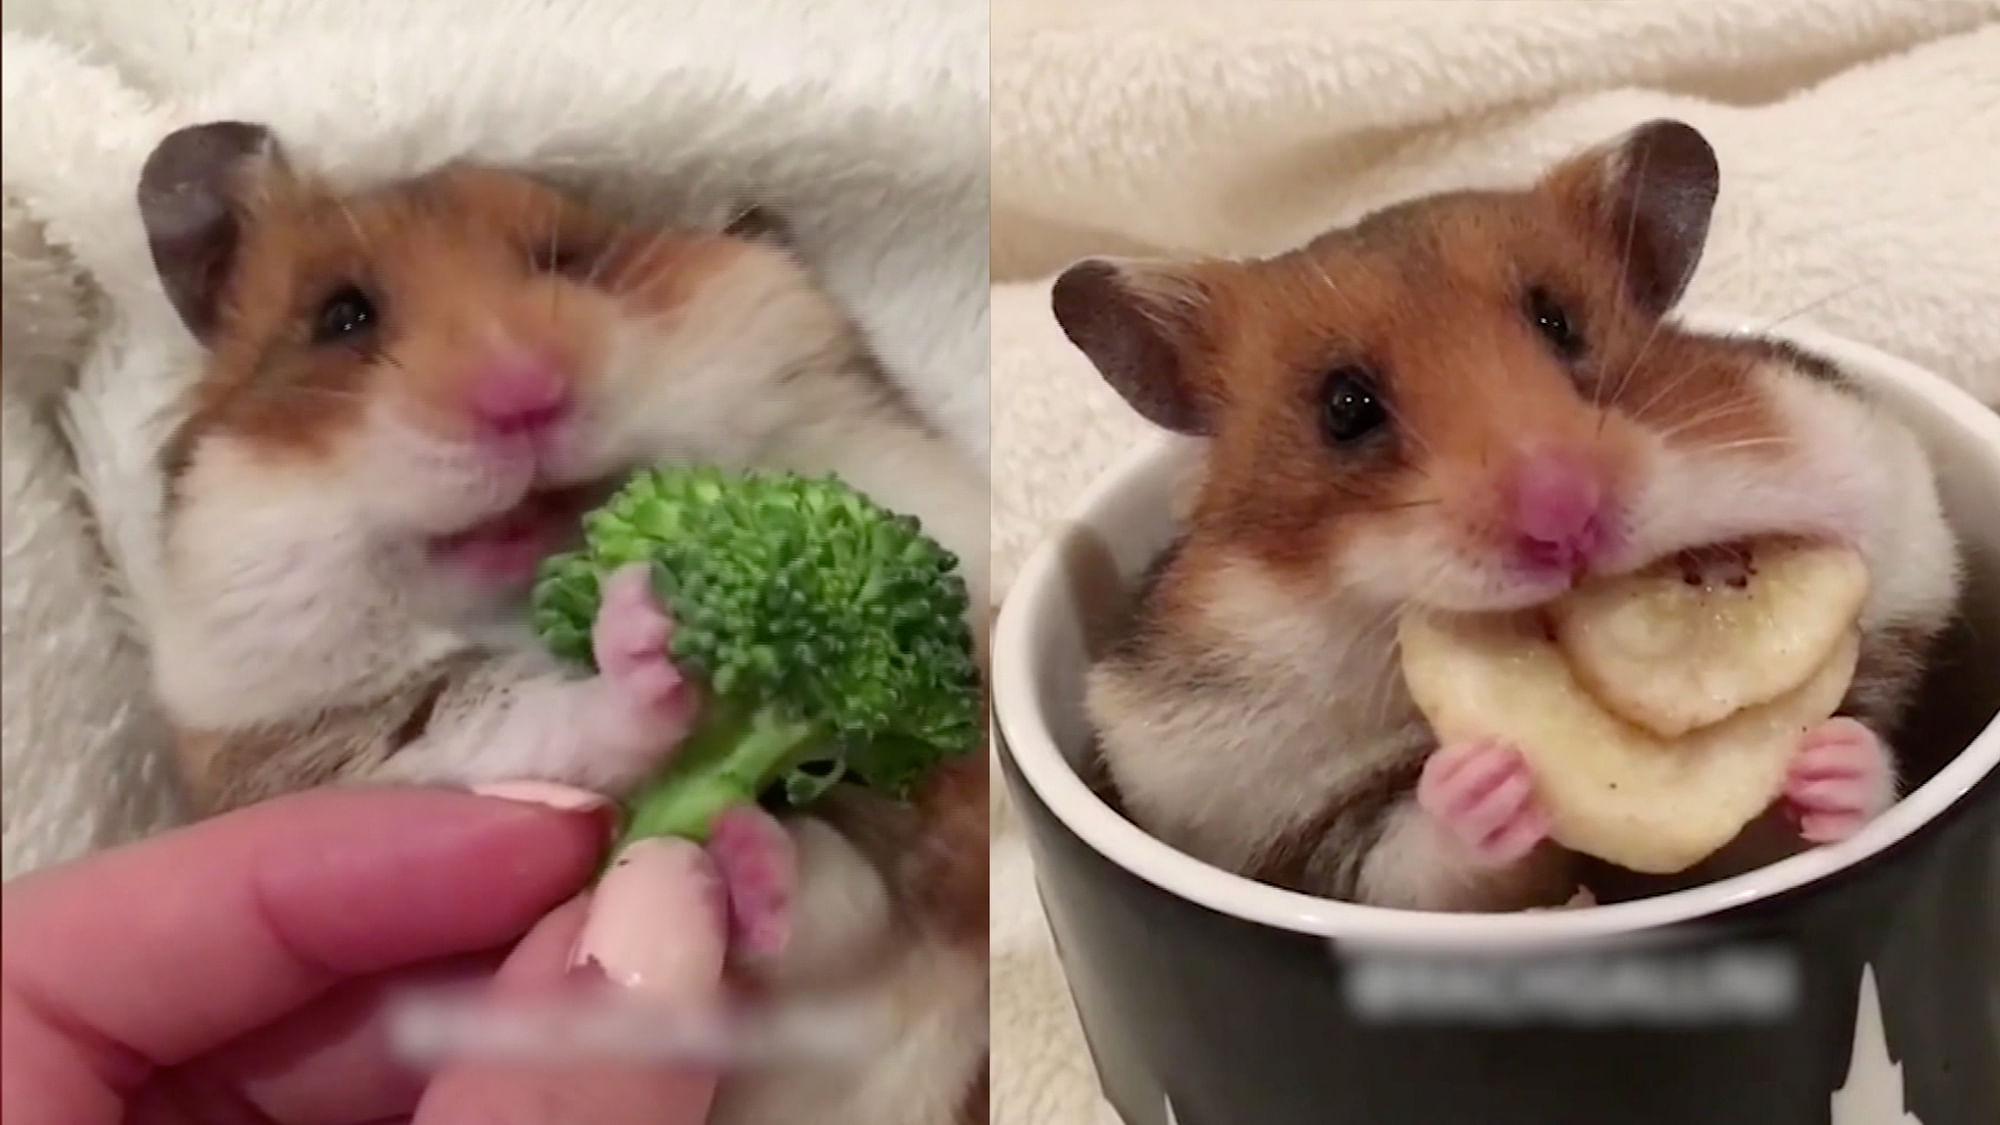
x=518 y=397
x=1558 y=511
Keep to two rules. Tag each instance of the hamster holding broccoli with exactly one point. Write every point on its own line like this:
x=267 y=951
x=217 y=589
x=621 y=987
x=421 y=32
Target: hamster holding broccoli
x=406 y=396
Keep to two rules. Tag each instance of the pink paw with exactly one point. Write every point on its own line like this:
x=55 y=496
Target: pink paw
x=1483 y=796
x=1841 y=779
x=629 y=640
x=759 y=870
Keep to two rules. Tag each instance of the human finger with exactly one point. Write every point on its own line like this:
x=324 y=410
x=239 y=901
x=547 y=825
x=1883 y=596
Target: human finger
x=659 y=923
x=149 y=955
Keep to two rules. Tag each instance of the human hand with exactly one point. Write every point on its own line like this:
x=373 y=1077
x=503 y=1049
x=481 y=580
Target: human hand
x=238 y=970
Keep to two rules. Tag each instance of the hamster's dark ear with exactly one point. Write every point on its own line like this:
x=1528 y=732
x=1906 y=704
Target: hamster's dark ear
x=190 y=198
x=1650 y=193
x=1141 y=325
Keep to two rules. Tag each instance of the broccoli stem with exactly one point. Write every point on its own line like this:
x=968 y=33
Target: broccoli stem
x=729 y=759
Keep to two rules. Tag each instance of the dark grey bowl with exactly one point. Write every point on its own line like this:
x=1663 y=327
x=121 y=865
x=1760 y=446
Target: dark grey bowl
x=1852 y=985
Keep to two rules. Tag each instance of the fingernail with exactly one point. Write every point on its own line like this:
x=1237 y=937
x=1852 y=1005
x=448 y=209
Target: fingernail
x=563 y=798
x=547 y=793
x=655 y=923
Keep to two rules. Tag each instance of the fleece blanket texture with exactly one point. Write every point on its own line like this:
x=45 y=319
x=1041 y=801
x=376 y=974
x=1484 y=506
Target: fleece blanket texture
x=1860 y=150
x=863 y=121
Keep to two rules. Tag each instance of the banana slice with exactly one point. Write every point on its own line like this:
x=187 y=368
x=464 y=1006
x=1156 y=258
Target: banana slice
x=1612 y=789
x=1695 y=639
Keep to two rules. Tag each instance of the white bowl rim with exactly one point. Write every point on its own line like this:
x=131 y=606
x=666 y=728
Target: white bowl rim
x=1020 y=719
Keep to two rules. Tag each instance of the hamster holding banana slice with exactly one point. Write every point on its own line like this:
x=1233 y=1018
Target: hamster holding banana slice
x=1491 y=572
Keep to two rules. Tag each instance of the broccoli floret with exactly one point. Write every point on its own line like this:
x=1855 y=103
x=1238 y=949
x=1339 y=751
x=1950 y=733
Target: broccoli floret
x=831 y=635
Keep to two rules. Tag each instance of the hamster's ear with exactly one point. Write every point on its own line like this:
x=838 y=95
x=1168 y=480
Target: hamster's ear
x=1650 y=194
x=191 y=198
x=1142 y=325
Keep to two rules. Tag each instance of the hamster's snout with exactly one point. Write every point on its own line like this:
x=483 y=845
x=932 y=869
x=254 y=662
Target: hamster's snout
x=518 y=397
x=1558 y=512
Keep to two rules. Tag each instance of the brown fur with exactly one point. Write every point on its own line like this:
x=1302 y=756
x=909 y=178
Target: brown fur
x=1329 y=852
x=946 y=875
x=223 y=770
x=449 y=260
x=936 y=848
x=1269 y=331
x=1431 y=300
x=1891 y=669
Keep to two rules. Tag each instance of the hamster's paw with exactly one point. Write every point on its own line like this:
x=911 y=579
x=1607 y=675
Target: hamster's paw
x=759 y=869
x=1483 y=796
x=629 y=640
x=1841 y=779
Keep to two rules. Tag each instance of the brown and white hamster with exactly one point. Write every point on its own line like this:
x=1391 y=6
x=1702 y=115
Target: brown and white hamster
x=407 y=396
x=1465 y=402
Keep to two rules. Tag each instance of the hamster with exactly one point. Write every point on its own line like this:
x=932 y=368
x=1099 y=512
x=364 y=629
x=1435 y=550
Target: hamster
x=407 y=396
x=1466 y=402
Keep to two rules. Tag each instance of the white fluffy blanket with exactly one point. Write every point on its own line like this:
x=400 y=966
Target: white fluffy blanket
x=1860 y=151
x=863 y=121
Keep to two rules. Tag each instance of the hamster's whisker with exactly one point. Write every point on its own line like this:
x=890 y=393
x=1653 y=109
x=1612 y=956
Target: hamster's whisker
x=741 y=213
x=1624 y=379
x=1403 y=426
x=1726 y=412
x=1715 y=407
x=1381 y=657
x=1356 y=643
x=1683 y=377
x=1712 y=398
x=1710 y=404
x=647 y=279
x=1674 y=383
x=652 y=281
x=605 y=249
x=1384 y=685
x=1681 y=284
x=361 y=240
x=1812 y=305
x=1624 y=265
x=1749 y=443
x=1333 y=288
x=555 y=248
x=1403 y=506
x=310 y=391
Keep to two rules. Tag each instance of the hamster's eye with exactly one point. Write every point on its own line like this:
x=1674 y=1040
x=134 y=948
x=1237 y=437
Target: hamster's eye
x=1351 y=408
x=1554 y=324
x=347 y=312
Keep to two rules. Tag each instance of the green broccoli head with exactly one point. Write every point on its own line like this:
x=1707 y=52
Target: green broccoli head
x=801 y=604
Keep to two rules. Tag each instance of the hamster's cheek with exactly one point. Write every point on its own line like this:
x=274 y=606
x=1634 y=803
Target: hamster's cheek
x=1697 y=497
x=1431 y=563
x=408 y=479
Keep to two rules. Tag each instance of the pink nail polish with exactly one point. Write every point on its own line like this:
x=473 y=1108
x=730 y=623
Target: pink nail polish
x=546 y=793
x=562 y=798
x=654 y=924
